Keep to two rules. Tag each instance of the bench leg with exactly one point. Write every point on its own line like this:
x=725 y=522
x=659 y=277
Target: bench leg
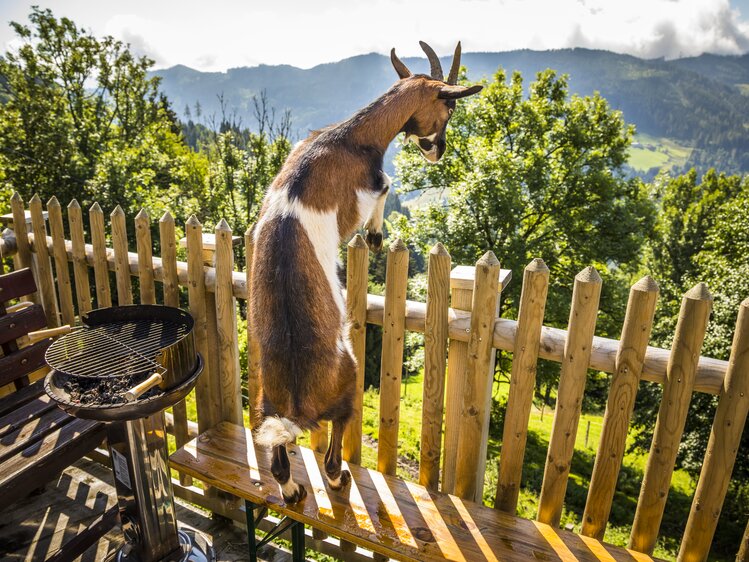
x=297 y=542
x=297 y=533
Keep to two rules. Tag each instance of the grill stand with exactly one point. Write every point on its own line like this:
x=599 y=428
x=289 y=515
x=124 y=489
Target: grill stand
x=138 y=452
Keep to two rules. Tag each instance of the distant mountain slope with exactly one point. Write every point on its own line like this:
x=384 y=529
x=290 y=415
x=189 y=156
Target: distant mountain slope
x=697 y=101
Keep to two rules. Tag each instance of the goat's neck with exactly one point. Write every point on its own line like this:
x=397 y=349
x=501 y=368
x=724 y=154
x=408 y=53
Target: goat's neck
x=378 y=124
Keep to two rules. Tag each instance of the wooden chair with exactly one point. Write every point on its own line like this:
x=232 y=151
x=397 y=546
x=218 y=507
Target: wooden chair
x=37 y=439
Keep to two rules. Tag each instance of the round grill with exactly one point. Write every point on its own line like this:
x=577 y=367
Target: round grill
x=115 y=349
x=97 y=366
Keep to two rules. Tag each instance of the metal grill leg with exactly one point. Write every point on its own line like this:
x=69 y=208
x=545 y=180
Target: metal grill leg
x=297 y=542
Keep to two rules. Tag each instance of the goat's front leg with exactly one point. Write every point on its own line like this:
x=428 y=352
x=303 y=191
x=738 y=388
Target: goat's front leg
x=374 y=223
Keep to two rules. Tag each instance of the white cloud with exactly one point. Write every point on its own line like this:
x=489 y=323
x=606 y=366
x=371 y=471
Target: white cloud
x=227 y=33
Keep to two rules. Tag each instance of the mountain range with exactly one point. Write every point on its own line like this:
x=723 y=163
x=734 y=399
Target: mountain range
x=700 y=102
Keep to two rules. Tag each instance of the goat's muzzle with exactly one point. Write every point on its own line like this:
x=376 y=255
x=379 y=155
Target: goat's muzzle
x=374 y=240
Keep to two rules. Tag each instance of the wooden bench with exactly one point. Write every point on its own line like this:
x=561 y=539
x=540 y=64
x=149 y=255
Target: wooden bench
x=37 y=439
x=381 y=513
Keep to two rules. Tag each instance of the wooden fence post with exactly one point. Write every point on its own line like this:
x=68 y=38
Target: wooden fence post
x=722 y=447
x=64 y=287
x=43 y=263
x=121 y=261
x=80 y=265
x=357 y=265
x=145 y=257
x=630 y=358
x=474 y=423
x=253 y=346
x=435 y=356
x=457 y=357
x=393 y=331
x=226 y=316
x=101 y=268
x=207 y=405
x=171 y=298
x=677 y=393
x=581 y=328
x=522 y=384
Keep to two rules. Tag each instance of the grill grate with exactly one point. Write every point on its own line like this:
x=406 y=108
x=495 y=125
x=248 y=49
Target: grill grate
x=118 y=348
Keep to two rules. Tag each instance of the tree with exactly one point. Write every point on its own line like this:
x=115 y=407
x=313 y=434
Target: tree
x=81 y=118
x=535 y=176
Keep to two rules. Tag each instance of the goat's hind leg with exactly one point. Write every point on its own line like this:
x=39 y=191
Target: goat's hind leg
x=337 y=478
x=281 y=470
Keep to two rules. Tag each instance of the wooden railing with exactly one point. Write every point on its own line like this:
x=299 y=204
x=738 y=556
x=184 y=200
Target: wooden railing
x=461 y=326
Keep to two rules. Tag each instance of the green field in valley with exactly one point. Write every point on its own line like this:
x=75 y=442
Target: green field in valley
x=649 y=152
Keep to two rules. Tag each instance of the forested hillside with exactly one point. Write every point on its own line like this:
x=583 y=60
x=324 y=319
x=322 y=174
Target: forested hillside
x=700 y=102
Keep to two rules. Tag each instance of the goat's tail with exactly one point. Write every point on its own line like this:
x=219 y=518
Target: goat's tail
x=275 y=431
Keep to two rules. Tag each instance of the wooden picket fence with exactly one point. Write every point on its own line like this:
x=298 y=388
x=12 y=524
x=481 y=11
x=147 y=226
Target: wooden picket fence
x=462 y=327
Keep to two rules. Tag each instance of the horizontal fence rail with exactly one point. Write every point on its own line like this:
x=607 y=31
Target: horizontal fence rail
x=710 y=371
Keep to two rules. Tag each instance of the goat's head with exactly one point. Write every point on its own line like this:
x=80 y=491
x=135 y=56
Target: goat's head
x=426 y=127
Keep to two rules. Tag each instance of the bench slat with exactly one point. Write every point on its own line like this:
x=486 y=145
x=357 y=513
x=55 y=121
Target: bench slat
x=24 y=414
x=16 y=284
x=23 y=361
x=17 y=324
x=385 y=514
x=24 y=435
x=20 y=397
x=35 y=465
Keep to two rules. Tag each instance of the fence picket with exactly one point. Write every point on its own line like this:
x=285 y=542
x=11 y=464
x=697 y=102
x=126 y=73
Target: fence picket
x=357 y=264
x=474 y=422
x=672 y=414
x=80 y=265
x=393 y=330
x=121 y=262
x=205 y=402
x=522 y=384
x=226 y=322
x=435 y=355
x=171 y=298
x=145 y=258
x=582 y=323
x=62 y=271
x=101 y=267
x=638 y=322
x=45 y=281
x=253 y=347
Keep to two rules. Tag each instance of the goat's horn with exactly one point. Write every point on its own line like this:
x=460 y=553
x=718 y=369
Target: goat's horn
x=452 y=78
x=434 y=60
x=400 y=68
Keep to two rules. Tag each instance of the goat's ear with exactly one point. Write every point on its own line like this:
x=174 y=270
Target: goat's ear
x=400 y=68
x=456 y=92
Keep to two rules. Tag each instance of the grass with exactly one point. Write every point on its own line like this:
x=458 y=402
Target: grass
x=650 y=152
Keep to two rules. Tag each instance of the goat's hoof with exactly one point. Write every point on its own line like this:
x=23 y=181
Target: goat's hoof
x=296 y=497
x=374 y=241
x=343 y=481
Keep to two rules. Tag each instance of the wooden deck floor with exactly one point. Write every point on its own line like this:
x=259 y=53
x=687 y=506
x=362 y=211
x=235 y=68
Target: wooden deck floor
x=35 y=527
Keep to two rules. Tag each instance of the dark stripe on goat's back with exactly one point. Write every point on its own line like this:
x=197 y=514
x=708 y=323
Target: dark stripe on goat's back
x=296 y=319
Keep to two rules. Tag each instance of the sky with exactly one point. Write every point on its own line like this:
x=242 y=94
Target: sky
x=213 y=35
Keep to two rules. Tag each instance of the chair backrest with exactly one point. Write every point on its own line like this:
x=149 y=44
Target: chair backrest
x=16 y=363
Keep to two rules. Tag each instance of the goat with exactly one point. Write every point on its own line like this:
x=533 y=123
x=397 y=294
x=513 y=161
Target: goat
x=331 y=184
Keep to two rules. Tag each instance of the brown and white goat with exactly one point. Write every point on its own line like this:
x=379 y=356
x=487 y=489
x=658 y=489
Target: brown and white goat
x=329 y=186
